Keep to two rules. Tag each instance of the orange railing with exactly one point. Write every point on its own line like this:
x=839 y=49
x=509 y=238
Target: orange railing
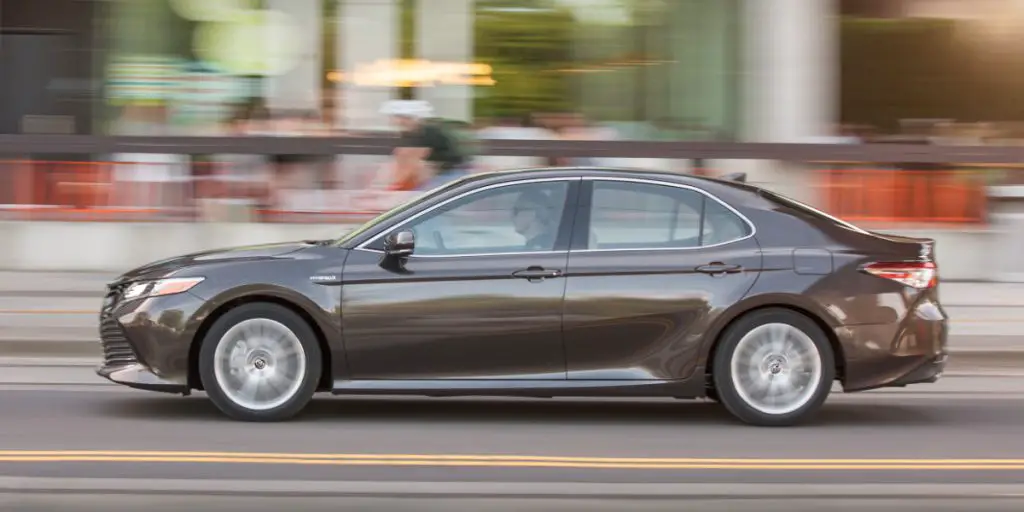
x=902 y=196
x=92 y=191
x=167 y=190
x=170 y=189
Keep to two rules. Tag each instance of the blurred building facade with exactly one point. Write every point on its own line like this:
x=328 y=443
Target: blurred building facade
x=745 y=70
x=652 y=69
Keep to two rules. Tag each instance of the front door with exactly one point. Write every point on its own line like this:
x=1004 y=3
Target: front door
x=650 y=264
x=480 y=298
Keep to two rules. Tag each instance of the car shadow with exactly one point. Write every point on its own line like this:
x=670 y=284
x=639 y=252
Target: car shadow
x=536 y=411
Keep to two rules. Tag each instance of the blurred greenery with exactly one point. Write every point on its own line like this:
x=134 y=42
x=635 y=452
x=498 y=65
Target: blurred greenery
x=528 y=43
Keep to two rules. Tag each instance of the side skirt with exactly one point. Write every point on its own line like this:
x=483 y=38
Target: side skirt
x=690 y=388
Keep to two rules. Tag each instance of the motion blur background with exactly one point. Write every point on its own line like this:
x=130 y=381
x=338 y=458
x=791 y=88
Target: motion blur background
x=703 y=74
x=134 y=130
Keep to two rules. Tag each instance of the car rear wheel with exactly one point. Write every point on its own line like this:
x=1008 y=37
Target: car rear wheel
x=260 y=362
x=775 y=367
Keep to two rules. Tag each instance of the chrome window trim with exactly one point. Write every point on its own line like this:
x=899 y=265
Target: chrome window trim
x=472 y=255
x=526 y=181
x=753 y=228
x=747 y=221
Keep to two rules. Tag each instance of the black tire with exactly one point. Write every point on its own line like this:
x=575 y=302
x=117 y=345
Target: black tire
x=310 y=349
x=732 y=398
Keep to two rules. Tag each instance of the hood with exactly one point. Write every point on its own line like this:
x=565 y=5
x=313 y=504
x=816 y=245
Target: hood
x=168 y=266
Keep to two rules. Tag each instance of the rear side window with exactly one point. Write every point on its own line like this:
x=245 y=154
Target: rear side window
x=630 y=215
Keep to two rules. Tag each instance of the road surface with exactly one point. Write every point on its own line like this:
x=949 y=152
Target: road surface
x=104 y=446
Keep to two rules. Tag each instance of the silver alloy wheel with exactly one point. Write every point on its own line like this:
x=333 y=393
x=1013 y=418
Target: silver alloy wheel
x=776 y=368
x=259 y=364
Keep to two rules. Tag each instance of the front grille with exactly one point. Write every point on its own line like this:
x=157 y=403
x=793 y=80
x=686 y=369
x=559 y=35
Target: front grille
x=112 y=297
x=116 y=349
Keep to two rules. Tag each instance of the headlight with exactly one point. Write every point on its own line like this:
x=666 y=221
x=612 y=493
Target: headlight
x=160 y=287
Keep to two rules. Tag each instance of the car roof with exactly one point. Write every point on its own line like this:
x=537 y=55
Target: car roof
x=714 y=185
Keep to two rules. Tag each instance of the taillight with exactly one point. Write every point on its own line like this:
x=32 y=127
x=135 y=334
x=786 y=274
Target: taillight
x=920 y=275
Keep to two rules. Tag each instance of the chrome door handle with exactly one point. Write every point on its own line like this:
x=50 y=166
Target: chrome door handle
x=718 y=268
x=536 y=273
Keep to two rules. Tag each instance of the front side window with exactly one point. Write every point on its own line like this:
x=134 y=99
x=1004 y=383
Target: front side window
x=628 y=215
x=515 y=218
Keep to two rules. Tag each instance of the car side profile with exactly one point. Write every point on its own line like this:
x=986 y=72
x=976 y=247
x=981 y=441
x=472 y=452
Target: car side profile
x=566 y=282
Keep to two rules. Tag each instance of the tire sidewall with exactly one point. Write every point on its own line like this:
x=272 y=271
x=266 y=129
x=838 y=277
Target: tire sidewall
x=302 y=330
x=722 y=369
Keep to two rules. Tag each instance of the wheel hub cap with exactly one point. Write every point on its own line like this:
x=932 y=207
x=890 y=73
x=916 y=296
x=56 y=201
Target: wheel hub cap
x=774 y=365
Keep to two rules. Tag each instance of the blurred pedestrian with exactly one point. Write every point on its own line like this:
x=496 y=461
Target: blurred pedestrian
x=429 y=153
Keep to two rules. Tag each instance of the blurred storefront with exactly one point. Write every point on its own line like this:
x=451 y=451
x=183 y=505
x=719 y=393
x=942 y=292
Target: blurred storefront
x=649 y=69
x=746 y=70
x=50 y=58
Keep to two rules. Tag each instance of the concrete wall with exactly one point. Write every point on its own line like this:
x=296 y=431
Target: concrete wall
x=117 y=247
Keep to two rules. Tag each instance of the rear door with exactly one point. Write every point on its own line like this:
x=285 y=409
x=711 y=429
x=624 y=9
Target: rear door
x=651 y=264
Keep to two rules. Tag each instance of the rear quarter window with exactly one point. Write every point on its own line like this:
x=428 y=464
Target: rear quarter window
x=721 y=225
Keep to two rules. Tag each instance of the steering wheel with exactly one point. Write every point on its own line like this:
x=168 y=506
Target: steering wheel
x=439 y=240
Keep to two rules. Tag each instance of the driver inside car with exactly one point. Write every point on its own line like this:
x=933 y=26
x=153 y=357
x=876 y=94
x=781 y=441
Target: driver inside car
x=534 y=219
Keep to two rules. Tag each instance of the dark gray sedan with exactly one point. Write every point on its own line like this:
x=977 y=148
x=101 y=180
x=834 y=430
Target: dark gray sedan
x=541 y=283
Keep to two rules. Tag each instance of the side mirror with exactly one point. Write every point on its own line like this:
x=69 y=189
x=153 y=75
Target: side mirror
x=400 y=244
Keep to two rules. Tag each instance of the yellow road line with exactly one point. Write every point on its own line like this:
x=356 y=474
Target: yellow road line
x=511 y=461
x=403 y=456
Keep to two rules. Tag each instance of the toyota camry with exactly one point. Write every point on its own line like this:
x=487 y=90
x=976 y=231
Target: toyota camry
x=564 y=282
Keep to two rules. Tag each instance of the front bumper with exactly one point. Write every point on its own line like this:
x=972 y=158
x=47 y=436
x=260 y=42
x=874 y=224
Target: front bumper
x=146 y=343
x=927 y=372
x=139 y=377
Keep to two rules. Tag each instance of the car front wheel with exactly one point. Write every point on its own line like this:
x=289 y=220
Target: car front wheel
x=260 y=362
x=774 y=367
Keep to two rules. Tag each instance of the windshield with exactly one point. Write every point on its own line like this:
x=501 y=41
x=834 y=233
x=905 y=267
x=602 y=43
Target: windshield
x=396 y=211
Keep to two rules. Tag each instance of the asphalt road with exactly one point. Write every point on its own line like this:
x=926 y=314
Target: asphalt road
x=177 y=503
x=71 y=444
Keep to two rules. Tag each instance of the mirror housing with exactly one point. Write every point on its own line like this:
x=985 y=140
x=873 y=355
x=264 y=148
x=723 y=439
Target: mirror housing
x=400 y=244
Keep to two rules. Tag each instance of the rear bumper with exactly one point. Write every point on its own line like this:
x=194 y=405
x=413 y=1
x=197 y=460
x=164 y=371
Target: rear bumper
x=139 y=377
x=914 y=351
x=897 y=372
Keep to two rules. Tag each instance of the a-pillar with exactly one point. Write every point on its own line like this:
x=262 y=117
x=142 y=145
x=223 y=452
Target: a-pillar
x=444 y=33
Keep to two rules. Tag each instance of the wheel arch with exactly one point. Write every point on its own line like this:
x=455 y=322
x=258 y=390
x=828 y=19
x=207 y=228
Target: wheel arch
x=222 y=308
x=824 y=321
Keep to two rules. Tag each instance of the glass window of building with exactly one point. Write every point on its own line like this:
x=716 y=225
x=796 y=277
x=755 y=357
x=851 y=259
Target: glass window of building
x=639 y=69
